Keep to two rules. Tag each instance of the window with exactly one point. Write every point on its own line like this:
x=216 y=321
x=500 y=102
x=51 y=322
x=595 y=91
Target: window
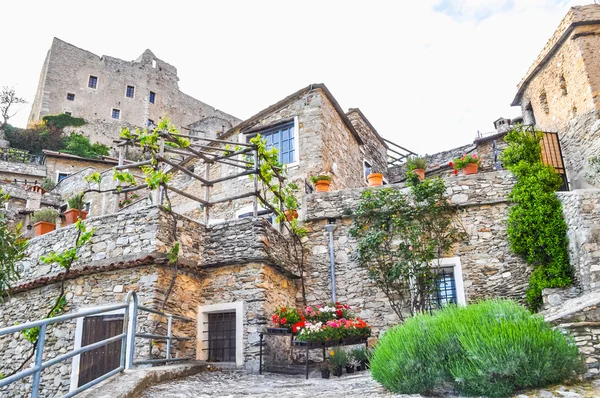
x=154 y=63
x=68 y=113
x=87 y=206
x=93 y=82
x=116 y=113
x=150 y=122
x=450 y=288
x=61 y=176
x=152 y=97
x=70 y=96
x=130 y=91
x=283 y=138
x=544 y=102
x=563 y=85
x=221 y=337
x=222 y=329
x=367 y=169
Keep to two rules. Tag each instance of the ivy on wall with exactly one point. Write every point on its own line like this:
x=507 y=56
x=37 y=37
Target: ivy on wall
x=536 y=228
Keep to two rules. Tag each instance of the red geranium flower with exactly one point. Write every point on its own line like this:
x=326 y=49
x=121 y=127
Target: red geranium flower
x=297 y=325
x=283 y=321
x=451 y=164
x=339 y=313
x=455 y=172
x=275 y=318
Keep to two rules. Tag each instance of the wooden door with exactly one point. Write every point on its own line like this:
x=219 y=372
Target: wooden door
x=95 y=363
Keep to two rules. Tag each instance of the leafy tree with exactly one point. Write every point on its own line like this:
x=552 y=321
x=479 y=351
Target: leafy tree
x=12 y=249
x=8 y=99
x=536 y=228
x=80 y=145
x=401 y=235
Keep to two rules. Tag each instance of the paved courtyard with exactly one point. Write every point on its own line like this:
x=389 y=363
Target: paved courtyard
x=237 y=384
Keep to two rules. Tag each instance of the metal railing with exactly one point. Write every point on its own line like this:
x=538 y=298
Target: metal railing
x=21 y=156
x=127 y=338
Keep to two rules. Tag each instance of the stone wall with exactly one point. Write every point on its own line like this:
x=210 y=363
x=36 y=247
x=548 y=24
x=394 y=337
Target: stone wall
x=22 y=171
x=99 y=289
x=72 y=164
x=488 y=267
x=67 y=70
x=373 y=149
x=581 y=211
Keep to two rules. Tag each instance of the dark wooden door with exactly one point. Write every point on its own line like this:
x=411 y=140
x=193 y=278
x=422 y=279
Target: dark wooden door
x=95 y=363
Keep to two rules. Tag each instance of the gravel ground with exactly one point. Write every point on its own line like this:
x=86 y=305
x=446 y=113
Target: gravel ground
x=238 y=384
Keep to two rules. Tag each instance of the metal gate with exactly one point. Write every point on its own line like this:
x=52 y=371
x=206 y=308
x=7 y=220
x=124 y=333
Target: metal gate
x=98 y=362
x=552 y=155
x=221 y=337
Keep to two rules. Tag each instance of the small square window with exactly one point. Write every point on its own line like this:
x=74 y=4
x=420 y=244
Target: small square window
x=130 y=91
x=70 y=96
x=61 y=176
x=150 y=122
x=152 y=97
x=116 y=113
x=93 y=82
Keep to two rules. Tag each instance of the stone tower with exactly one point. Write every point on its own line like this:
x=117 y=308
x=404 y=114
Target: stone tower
x=560 y=91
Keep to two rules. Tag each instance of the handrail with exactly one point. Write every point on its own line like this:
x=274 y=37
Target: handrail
x=127 y=338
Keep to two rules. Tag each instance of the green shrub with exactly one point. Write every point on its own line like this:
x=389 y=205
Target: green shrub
x=63 y=120
x=76 y=201
x=80 y=145
x=47 y=215
x=492 y=348
x=415 y=162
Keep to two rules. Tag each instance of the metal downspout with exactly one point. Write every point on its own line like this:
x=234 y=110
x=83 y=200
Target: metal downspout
x=330 y=227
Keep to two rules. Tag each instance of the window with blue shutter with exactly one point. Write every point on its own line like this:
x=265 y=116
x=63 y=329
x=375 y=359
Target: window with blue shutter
x=283 y=138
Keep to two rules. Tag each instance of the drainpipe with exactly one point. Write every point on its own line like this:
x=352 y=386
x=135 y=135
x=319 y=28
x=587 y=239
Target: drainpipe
x=330 y=227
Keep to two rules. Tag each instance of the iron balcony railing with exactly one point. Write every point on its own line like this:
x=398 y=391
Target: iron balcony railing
x=127 y=338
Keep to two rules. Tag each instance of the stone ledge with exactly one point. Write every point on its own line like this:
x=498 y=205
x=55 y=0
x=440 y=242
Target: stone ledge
x=131 y=383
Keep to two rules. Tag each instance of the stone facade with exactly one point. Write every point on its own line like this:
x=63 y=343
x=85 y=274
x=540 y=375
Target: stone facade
x=489 y=269
x=560 y=90
x=67 y=70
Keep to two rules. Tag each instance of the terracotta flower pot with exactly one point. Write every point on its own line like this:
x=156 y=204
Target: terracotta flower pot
x=375 y=179
x=43 y=227
x=420 y=173
x=72 y=215
x=291 y=214
x=322 y=186
x=471 y=168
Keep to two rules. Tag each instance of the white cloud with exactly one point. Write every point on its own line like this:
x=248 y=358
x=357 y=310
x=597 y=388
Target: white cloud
x=426 y=79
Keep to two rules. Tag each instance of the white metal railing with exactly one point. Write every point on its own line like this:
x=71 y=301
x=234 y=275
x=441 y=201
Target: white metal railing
x=127 y=338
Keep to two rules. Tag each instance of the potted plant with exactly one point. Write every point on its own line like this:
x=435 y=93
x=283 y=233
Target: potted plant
x=44 y=221
x=290 y=201
x=321 y=182
x=361 y=356
x=325 y=369
x=417 y=165
x=351 y=364
x=375 y=179
x=75 y=204
x=338 y=360
x=469 y=164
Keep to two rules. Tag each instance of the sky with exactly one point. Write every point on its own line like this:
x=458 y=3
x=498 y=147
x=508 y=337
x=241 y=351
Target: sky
x=428 y=74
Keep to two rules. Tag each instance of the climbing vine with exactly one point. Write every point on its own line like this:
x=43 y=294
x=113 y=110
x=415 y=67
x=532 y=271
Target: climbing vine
x=402 y=235
x=12 y=248
x=536 y=228
x=278 y=198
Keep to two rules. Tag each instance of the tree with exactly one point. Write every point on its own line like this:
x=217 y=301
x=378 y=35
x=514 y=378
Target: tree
x=12 y=249
x=8 y=98
x=80 y=145
x=401 y=235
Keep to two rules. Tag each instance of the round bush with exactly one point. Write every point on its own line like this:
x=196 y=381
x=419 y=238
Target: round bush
x=492 y=348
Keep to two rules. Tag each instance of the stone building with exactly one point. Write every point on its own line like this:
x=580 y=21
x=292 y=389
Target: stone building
x=559 y=92
x=109 y=92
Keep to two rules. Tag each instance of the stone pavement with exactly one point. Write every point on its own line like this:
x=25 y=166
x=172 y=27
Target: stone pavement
x=238 y=384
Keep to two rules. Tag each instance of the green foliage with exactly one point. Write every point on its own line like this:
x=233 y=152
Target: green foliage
x=173 y=254
x=465 y=160
x=63 y=120
x=47 y=215
x=48 y=184
x=94 y=178
x=35 y=138
x=536 y=228
x=12 y=249
x=361 y=354
x=80 y=145
x=58 y=308
x=338 y=357
x=76 y=201
x=415 y=162
x=67 y=257
x=155 y=177
x=493 y=348
x=124 y=177
x=320 y=177
x=399 y=236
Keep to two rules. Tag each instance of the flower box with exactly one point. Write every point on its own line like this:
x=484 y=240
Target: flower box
x=279 y=331
x=330 y=343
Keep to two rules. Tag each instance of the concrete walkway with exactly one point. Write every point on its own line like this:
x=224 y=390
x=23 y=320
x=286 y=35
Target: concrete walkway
x=238 y=384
